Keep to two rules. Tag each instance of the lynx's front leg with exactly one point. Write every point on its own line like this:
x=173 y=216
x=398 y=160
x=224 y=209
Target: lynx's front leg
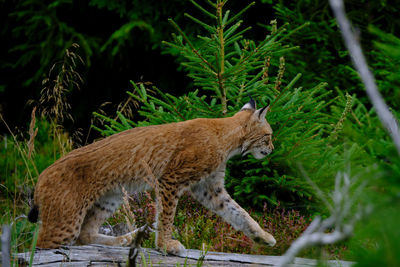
x=212 y=194
x=166 y=207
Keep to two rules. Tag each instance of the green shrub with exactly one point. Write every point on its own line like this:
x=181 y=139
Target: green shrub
x=19 y=169
x=323 y=56
x=385 y=65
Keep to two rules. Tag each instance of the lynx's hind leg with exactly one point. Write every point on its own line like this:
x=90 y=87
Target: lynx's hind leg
x=211 y=193
x=95 y=217
x=62 y=231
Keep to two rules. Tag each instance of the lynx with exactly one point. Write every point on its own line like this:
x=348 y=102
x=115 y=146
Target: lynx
x=76 y=194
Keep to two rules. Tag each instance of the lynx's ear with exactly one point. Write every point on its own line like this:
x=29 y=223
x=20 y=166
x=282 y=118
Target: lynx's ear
x=249 y=105
x=262 y=112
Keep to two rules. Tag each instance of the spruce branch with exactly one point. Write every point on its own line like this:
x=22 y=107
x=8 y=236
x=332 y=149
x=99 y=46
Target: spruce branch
x=300 y=141
x=169 y=102
x=203 y=10
x=254 y=52
x=232 y=30
x=212 y=4
x=220 y=76
x=205 y=25
x=194 y=50
x=290 y=85
x=241 y=12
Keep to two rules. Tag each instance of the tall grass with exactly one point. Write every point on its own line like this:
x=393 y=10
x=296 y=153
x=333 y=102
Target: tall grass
x=25 y=154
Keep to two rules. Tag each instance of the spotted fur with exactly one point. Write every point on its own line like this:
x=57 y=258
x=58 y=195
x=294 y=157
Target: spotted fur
x=79 y=191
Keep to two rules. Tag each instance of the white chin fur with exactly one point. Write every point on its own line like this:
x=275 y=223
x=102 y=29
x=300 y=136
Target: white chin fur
x=258 y=155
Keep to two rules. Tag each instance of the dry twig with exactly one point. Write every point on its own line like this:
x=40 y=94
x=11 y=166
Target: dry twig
x=341 y=220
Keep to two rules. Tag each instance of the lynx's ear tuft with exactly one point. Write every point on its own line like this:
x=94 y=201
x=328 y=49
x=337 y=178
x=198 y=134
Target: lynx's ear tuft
x=262 y=112
x=249 y=105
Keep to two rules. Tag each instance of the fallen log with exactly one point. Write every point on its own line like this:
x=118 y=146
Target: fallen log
x=99 y=255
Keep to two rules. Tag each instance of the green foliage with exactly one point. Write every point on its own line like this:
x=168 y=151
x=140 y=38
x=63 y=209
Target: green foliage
x=385 y=65
x=21 y=161
x=226 y=67
x=19 y=170
x=376 y=241
x=120 y=36
x=45 y=36
x=379 y=156
x=143 y=15
x=323 y=56
x=42 y=30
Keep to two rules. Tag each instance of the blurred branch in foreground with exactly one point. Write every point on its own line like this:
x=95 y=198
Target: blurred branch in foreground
x=343 y=217
x=5 y=246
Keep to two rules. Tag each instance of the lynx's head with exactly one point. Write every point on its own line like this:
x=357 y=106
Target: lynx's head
x=258 y=132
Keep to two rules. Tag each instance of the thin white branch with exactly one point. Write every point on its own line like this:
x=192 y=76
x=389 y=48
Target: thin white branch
x=313 y=239
x=5 y=246
x=386 y=117
x=341 y=220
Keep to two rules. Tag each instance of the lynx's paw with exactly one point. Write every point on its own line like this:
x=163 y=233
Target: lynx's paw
x=126 y=240
x=265 y=238
x=173 y=247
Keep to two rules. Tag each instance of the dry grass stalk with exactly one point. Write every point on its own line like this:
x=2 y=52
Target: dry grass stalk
x=281 y=71
x=153 y=182
x=21 y=151
x=127 y=106
x=53 y=100
x=32 y=133
x=127 y=211
x=339 y=125
x=142 y=234
x=53 y=97
x=265 y=76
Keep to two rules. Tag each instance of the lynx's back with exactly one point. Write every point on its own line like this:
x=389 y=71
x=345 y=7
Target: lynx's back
x=194 y=144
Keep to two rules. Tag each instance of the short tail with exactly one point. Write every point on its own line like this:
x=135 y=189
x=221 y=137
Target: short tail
x=33 y=214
